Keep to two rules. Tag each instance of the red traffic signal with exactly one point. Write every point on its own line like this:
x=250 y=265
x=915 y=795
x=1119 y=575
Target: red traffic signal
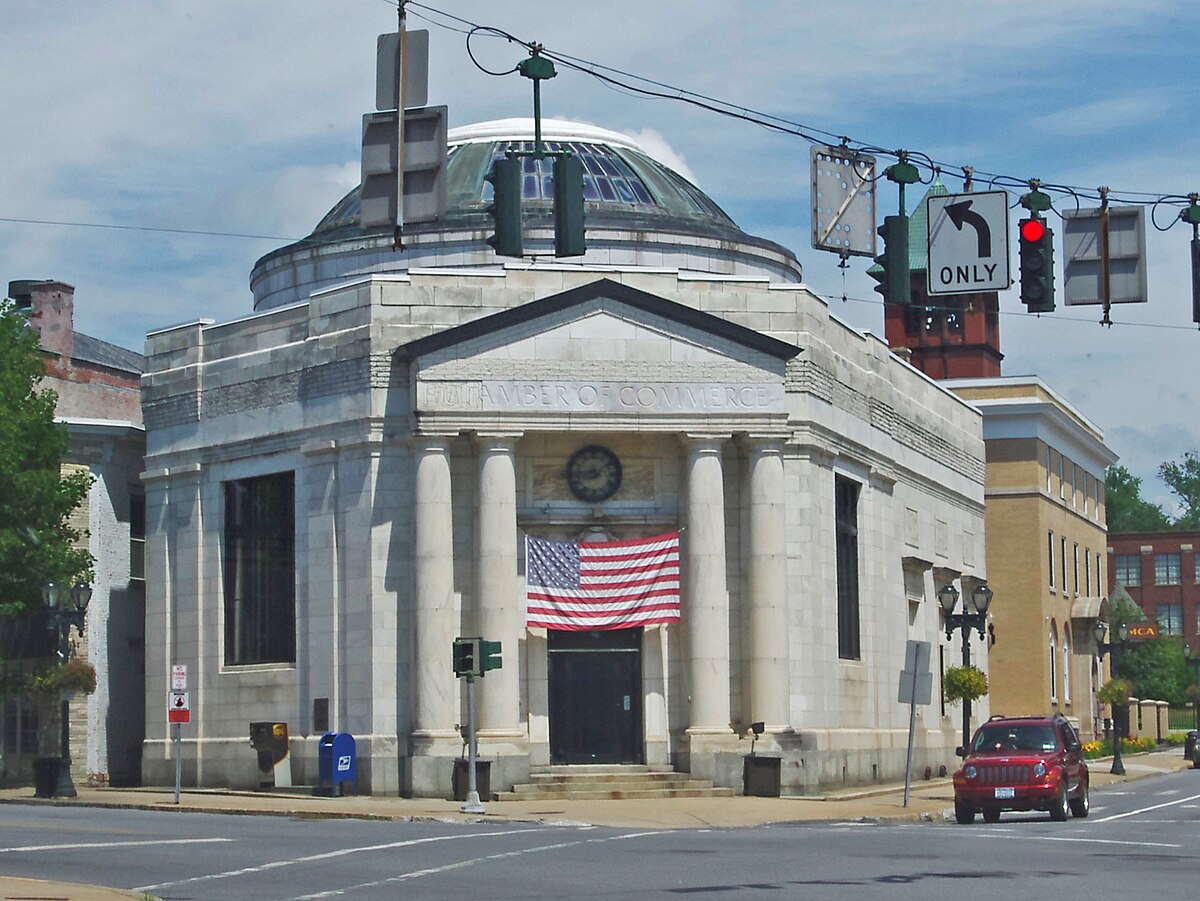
x=1033 y=230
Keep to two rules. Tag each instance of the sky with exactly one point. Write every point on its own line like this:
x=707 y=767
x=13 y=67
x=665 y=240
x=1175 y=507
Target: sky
x=243 y=118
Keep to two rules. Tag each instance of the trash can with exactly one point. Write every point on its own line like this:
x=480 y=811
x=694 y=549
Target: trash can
x=1189 y=748
x=760 y=776
x=270 y=740
x=462 y=778
x=337 y=764
x=46 y=773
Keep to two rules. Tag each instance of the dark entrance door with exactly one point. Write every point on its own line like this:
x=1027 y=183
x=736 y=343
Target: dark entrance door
x=596 y=696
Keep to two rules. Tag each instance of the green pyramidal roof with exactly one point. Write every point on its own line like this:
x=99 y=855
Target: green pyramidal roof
x=918 y=227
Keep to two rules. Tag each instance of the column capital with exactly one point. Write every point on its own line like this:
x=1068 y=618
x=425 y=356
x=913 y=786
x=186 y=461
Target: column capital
x=432 y=440
x=499 y=439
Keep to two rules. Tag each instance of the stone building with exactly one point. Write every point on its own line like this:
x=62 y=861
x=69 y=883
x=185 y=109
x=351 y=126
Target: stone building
x=338 y=485
x=99 y=400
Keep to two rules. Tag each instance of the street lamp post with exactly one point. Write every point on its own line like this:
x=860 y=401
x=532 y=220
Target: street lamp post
x=63 y=612
x=980 y=599
x=1121 y=713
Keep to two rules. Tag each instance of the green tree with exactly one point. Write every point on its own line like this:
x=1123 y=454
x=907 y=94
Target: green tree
x=1183 y=478
x=1157 y=669
x=37 y=543
x=1126 y=509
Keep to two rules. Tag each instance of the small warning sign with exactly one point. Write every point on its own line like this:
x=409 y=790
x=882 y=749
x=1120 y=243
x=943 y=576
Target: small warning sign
x=179 y=708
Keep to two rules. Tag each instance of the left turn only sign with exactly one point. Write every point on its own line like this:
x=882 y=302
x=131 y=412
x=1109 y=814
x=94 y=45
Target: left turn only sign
x=968 y=243
x=179 y=709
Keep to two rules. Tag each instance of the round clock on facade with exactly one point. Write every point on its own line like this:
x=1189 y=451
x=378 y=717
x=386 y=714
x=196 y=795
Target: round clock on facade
x=593 y=473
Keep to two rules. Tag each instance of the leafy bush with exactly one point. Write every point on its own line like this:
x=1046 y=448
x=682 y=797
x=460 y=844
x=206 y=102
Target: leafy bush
x=964 y=682
x=1115 y=691
x=74 y=675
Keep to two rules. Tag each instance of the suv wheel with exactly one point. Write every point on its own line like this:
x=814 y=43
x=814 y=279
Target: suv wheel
x=1081 y=805
x=991 y=814
x=1058 y=809
x=963 y=813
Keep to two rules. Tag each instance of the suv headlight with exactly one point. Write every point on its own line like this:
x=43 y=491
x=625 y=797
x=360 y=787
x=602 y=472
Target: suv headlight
x=1039 y=769
x=970 y=772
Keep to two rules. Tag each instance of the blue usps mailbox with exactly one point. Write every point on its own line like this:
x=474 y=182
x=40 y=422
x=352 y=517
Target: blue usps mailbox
x=337 y=762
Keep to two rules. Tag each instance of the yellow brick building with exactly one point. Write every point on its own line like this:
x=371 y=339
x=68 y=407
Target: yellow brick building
x=1046 y=539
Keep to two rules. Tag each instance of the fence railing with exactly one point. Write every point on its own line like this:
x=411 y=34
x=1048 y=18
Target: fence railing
x=1181 y=719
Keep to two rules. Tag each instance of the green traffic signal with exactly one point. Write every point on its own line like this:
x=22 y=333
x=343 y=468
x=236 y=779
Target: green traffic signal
x=489 y=654
x=505 y=208
x=1037 y=265
x=892 y=271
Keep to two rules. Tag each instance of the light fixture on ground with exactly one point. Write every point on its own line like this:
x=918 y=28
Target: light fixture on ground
x=1120 y=713
x=63 y=611
x=980 y=600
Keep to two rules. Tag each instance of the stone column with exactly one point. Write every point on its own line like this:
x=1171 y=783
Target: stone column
x=768 y=644
x=500 y=611
x=437 y=707
x=706 y=610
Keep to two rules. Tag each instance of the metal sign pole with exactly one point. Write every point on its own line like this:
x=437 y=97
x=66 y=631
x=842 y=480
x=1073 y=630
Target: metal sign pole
x=473 y=804
x=178 y=760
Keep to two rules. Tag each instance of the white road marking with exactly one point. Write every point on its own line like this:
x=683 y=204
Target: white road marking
x=462 y=864
x=77 y=845
x=1141 y=810
x=328 y=855
x=1098 y=841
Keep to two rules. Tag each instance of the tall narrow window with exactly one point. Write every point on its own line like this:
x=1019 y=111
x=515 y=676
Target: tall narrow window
x=1066 y=665
x=1053 y=662
x=1062 y=477
x=1050 y=548
x=137 y=537
x=1087 y=572
x=1063 y=558
x=1075 y=569
x=846 y=500
x=1049 y=470
x=260 y=570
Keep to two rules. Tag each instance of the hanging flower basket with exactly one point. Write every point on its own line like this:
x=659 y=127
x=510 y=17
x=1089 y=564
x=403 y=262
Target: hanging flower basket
x=960 y=682
x=73 y=676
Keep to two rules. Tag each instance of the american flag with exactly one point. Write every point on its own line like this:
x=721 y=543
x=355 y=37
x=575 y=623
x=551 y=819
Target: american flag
x=612 y=585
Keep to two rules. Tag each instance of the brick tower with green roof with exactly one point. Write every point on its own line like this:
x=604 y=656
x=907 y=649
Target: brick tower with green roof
x=949 y=336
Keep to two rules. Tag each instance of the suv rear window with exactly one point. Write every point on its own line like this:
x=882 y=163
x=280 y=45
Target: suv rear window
x=1010 y=737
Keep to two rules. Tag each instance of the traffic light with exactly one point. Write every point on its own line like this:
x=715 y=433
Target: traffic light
x=466 y=656
x=1195 y=279
x=505 y=208
x=1037 y=265
x=568 y=207
x=489 y=655
x=892 y=273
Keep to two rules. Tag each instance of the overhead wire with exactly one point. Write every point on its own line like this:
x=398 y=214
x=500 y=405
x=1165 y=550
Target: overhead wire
x=612 y=77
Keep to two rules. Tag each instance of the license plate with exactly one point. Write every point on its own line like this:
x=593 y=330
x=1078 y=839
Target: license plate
x=1006 y=793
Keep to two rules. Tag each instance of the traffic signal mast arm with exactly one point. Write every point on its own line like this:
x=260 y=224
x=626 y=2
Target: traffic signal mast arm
x=506 y=179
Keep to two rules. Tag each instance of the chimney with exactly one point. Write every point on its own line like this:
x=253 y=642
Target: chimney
x=52 y=312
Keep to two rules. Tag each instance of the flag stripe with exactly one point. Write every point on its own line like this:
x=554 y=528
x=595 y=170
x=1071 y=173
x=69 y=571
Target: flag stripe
x=614 y=585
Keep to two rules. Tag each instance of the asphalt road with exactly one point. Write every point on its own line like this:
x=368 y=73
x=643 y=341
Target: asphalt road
x=1140 y=839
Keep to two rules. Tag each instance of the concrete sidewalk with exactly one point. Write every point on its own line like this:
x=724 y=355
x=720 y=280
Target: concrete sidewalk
x=931 y=801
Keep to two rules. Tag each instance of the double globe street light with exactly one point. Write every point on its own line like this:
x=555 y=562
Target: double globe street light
x=980 y=600
x=65 y=609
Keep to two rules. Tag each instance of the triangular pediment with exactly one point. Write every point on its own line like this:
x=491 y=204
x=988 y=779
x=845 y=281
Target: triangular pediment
x=604 y=347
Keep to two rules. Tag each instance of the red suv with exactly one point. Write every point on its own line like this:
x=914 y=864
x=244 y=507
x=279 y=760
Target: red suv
x=1022 y=763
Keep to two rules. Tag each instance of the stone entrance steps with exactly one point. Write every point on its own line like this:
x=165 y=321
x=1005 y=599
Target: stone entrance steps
x=599 y=783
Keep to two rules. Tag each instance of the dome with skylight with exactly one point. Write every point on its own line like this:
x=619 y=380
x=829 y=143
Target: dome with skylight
x=639 y=213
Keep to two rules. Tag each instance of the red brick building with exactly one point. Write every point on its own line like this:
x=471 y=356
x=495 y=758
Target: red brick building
x=1160 y=572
